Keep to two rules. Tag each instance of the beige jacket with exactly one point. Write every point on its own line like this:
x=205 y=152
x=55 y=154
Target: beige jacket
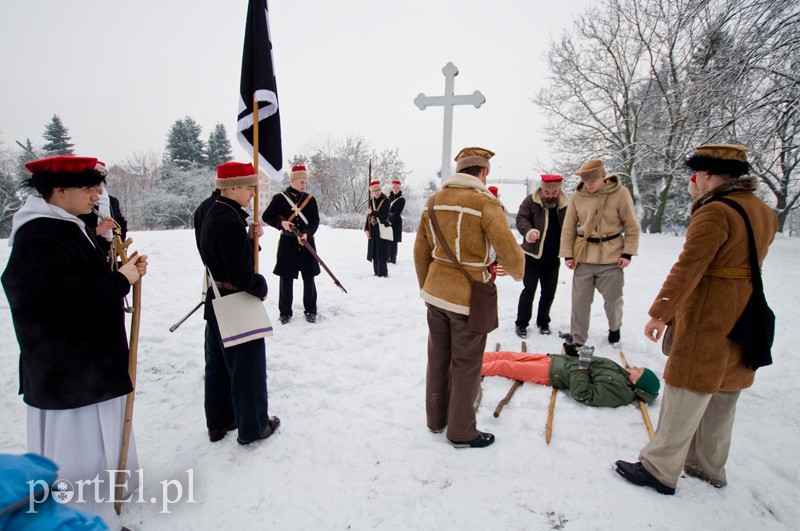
x=472 y=222
x=619 y=217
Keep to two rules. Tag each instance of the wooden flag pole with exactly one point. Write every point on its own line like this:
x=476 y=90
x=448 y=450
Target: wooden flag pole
x=258 y=178
x=133 y=350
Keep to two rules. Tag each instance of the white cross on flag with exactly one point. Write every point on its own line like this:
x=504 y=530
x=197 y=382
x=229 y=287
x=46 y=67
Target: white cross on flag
x=258 y=78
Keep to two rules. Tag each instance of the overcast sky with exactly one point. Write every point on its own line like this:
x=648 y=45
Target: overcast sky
x=120 y=73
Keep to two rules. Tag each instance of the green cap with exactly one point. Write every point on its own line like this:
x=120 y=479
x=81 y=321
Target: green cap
x=649 y=382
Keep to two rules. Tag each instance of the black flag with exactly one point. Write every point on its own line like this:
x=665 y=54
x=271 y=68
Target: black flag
x=258 y=77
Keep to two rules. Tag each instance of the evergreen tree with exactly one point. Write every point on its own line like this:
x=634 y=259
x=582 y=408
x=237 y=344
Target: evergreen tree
x=57 y=138
x=27 y=155
x=184 y=146
x=219 y=147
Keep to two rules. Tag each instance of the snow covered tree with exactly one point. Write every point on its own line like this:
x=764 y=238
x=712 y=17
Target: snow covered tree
x=339 y=172
x=11 y=195
x=184 y=146
x=57 y=138
x=219 y=147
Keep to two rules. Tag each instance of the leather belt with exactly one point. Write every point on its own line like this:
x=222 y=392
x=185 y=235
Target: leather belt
x=728 y=272
x=603 y=239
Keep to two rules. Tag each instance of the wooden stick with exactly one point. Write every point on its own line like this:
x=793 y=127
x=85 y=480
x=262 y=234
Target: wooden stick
x=548 y=430
x=642 y=405
x=516 y=385
x=132 y=362
x=258 y=177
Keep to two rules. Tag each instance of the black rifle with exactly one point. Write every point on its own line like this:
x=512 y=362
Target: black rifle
x=313 y=253
x=176 y=325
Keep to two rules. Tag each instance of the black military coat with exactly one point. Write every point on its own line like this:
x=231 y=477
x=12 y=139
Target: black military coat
x=396 y=205
x=294 y=258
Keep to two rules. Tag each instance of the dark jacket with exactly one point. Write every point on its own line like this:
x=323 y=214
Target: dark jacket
x=200 y=213
x=292 y=257
x=227 y=251
x=396 y=205
x=67 y=311
x=603 y=384
x=91 y=221
x=533 y=216
x=380 y=214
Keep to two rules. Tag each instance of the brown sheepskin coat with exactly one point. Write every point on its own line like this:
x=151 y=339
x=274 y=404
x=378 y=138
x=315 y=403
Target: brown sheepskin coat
x=472 y=221
x=619 y=216
x=700 y=299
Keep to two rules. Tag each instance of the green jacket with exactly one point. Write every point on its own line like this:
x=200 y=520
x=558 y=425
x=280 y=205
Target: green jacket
x=604 y=384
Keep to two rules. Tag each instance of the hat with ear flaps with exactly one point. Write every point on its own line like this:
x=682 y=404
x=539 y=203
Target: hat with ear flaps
x=473 y=156
x=719 y=159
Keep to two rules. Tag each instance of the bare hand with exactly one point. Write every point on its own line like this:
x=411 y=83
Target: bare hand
x=287 y=225
x=104 y=226
x=533 y=236
x=135 y=268
x=569 y=263
x=622 y=263
x=255 y=230
x=301 y=240
x=501 y=271
x=367 y=233
x=654 y=329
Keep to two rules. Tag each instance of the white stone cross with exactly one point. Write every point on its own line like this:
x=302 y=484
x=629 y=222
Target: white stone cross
x=422 y=101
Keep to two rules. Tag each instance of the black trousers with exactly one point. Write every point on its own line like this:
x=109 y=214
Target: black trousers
x=393 y=254
x=286 y=294
x=236 y=385
x=542 y=271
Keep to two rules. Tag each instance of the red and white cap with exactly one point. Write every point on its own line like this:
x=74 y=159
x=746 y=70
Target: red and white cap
x=230 y=174
x=298 y=172
x=551 y=181
x=374 y=186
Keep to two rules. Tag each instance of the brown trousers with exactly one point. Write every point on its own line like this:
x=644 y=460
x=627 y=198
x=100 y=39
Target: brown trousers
x=454 y=374
x=694 y=432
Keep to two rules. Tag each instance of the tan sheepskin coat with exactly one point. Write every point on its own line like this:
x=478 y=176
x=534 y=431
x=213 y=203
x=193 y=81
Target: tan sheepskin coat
x=701 y=303
x=472 y=221
x=619 y=216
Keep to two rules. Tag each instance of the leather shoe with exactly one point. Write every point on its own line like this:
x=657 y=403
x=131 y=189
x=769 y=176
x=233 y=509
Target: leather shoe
x=544 y=330
x=481 y=441
x=637 y=474
x=613 y=336
x=521 y=332
x=285 y=319
x=272 y=424
x=215 y=435
x=311 y=317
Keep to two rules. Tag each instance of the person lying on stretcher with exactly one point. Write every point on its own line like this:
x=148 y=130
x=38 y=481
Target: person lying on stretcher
x=595 y=381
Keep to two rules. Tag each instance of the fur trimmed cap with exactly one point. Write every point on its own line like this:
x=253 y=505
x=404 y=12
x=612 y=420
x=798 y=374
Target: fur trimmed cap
x=473 y=156
x=374 y=186
x=494 y=190
x=591 y=170
x=230 y=174
x=298 y=172
x=720 y=159
x=551 y=181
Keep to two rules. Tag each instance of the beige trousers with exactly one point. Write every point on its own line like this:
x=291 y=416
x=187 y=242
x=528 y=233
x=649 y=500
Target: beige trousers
x=609 y=280
x=694 y=431
x=455 y=356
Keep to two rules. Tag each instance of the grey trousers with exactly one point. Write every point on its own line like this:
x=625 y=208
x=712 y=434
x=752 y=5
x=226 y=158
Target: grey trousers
x=609 y=280
x=693 y=433
x=455 y=356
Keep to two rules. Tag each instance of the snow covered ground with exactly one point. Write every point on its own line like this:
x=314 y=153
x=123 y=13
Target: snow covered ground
x=353 y=451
